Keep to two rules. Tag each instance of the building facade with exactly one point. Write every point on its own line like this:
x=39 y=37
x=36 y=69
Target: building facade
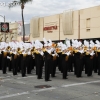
x=11 y=35
x=79 y=24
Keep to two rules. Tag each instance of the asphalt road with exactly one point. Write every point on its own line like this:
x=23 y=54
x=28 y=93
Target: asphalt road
x=19 y=88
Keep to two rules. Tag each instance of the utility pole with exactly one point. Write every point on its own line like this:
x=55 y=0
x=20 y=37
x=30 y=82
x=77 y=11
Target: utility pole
x=4 y=22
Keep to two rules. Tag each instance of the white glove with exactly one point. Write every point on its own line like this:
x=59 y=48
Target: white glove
x=15 y=52
x=52 y=49
x=81 y=51
x=42 y=53
x=29 y=53
x=92 y=53
x=49 y=51
x=53 y=54
x=67 y=53
x=56 y=54
x=8 y=57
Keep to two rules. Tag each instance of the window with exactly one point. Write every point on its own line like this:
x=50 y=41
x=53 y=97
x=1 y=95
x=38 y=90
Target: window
x=88 y=22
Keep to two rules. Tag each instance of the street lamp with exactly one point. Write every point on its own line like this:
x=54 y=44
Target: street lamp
x=4 y=22
x=3 y=17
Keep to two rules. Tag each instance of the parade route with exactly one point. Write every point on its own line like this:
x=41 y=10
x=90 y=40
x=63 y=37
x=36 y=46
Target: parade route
x=23 y=88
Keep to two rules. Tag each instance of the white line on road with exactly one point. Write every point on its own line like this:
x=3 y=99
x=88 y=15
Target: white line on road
x=80 y=83
x=3 y=80
x=13 y=95
x=23 y=93
x=25 y=77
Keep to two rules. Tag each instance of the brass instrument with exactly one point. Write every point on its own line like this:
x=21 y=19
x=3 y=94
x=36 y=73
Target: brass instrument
x=24 y=55
x=35 y=51
x=98 y=50
x=10 y=52
x=85 y=48
x=87 y=53
x=94 y=48
x=43 y=49
x=58 y=50
x=76 y=51
x=5 y=54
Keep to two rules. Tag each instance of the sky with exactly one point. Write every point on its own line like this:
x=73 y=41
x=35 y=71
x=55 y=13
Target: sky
x=40 y=8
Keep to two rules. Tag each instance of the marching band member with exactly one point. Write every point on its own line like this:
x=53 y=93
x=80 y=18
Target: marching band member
x=47 y=59
x=65 y=60
x=4 y=59
x=89 y=60
x=78 y=59
x=95 y=65
x=23 y=63
x=71 y=58
x=54 y=60
x=98 y=55
x=59 y=52
x=14 y=61
x=39 y=58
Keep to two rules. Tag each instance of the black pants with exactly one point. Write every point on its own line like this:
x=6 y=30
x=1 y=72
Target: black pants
x=4 y=65
x=65 y=68
x=23 y=66
x=48 y=63
x=14 y=65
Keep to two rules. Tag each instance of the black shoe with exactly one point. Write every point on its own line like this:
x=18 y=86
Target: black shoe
x=53 y=76
x=24 y=76
x=4 y=73
x=15 y=74
x=48 y=80
x=40 y=78
x=95 y=71
x=65 y=78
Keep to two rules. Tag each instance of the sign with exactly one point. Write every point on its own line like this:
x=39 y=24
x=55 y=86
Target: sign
x=19 y=28
x=49 y=28
x=5 y=27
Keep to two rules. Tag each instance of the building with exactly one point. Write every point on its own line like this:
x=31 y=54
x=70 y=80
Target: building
x=14 y=34
x=11 y=35
x=79 y=24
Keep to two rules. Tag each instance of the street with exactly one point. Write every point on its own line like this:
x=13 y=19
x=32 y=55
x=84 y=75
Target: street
x=24 y=88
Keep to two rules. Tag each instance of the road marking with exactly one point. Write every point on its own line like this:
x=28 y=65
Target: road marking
x=23 y=93
x=13 y=95
x=3 y=80
x=25 y=77
x=83 y=83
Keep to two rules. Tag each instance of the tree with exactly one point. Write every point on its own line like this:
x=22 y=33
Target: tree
x=22 y=4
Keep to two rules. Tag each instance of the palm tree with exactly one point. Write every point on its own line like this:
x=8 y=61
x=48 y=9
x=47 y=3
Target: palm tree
x=22 y=4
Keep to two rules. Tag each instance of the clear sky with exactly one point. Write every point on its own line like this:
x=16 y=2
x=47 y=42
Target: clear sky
x=42 y=8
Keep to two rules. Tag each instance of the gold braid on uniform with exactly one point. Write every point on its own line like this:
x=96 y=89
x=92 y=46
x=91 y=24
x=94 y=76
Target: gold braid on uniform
x=66 y=58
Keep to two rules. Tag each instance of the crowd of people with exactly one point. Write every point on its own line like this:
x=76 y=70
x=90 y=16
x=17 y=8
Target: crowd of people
x=71 y=56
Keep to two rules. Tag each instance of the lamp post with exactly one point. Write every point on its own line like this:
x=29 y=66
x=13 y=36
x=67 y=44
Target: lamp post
x=4 y=22
x=3 y=17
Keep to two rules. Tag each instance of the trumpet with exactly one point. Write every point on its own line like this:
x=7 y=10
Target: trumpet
x=58 y=50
